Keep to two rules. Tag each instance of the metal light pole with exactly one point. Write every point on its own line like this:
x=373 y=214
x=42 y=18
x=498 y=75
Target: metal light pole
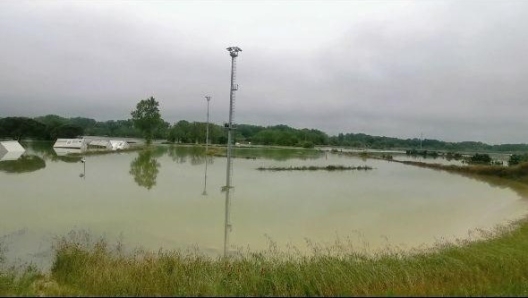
x=233 y=52
x=207 y=127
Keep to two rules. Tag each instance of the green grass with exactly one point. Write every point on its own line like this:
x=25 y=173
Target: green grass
x=15 y=281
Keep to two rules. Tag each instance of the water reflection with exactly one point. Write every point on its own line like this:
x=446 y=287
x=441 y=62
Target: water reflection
x=228 y=226
x=67 y=155
x=10 y=155
x=145 y=168
x=68 y=158
x=175 y=153
x=83 y=174
x=180 y=154
x=276 y=153
x=24 y=164
x=43 y=149
x=204 y=193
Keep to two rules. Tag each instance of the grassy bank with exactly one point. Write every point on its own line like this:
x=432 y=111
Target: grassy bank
x=497 y=266
x=16 y=281
x=13 y=283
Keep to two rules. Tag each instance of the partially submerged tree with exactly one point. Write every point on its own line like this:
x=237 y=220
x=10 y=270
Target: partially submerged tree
x=147 y=117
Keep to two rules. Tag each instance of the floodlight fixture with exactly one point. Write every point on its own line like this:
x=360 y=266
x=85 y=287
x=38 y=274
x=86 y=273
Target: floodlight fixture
x=234 y=51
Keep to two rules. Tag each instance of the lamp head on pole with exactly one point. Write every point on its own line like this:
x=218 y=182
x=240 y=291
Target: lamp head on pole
x=233 y=51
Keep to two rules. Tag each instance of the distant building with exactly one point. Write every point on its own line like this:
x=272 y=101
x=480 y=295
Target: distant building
x=99 y=144
x=70 y=144
x=116 y=142
x=119 y=144
x=66 y=146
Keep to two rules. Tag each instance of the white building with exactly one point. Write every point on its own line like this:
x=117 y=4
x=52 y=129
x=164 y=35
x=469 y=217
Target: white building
x=119 y=144
x=80 y=145
x=99 y=144
x=70 y=144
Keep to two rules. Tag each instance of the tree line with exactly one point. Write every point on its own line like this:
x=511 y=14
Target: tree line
x=51 y=127
x=361 y=140
x=146 y=122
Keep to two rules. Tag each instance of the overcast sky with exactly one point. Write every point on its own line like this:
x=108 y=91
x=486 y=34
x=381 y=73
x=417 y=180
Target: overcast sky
x=450 y=70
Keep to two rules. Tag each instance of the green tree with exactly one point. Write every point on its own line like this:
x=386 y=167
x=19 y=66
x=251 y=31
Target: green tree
x=67 y=131
x=180 y=132
x=147 y=117
x=82 y=122
x=162 y=131
x=52 y=121
x=22 y=127
x=480 y=159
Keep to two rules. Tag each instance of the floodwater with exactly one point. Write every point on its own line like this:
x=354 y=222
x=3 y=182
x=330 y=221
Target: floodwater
x=165 y=198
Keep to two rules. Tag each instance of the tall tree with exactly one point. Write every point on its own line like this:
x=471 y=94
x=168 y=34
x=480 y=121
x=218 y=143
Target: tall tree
x=147 y=117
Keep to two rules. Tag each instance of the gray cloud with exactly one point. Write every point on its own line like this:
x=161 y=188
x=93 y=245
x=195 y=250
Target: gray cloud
x=450 y=70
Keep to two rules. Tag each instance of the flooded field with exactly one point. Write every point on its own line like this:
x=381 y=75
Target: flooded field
x=163 y=197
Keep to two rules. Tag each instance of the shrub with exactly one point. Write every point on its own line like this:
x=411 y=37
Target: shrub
x=308 y=145
x=480 y=159
x=516 y=159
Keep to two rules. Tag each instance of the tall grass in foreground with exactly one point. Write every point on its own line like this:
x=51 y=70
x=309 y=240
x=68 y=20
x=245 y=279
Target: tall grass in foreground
x=496 y=266
x=16 y=281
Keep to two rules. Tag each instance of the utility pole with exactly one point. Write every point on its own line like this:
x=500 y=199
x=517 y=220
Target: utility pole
x=233 y=52
x=208 y=98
